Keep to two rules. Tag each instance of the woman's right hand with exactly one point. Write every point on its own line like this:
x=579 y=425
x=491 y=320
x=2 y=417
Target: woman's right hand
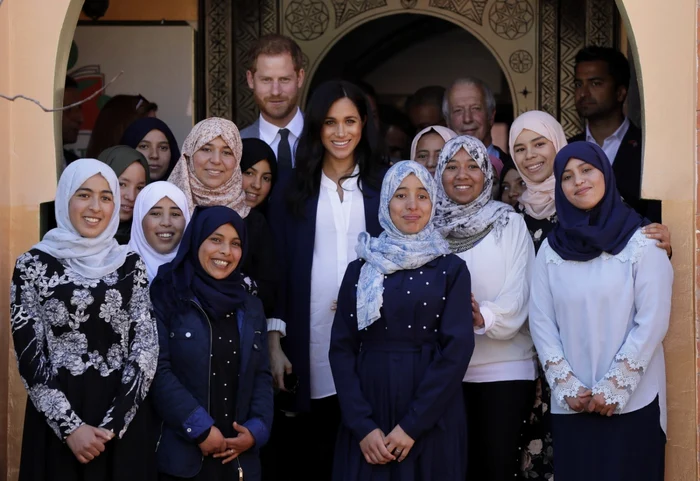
x=580 y=402
x=374 y=448
x=87 y=442
x=215 y=442
x=279 y=364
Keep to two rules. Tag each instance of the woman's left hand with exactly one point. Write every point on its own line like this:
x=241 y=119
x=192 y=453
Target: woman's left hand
x=660 y=233
x=399 y=443
x=597 y=404
x=235 y=446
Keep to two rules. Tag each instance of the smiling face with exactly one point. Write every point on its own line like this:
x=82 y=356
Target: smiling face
x=163 y=226
x=534 y=155
x=214 y=163
x=91 y=207
x=131 y=182
x=155 y=147
x=342 y=130
x=512 y=187
x=583 y=184
x=462 y=179
x=275 y=86
x=257 y=182
x=428 y=151
x=410 y=207
x=221 y=252
x=468 y=112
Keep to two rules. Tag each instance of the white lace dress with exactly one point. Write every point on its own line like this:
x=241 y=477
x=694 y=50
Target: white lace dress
x=600 y=324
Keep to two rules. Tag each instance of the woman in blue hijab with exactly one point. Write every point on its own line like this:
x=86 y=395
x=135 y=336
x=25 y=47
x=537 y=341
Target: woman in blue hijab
x=401 y=341
x=599 y=310
x=214 y=388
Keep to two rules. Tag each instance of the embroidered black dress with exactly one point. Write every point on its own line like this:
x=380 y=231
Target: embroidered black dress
x=87 y=351
x=538 y=451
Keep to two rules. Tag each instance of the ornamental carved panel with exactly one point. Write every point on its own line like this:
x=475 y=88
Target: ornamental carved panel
x=535 y=42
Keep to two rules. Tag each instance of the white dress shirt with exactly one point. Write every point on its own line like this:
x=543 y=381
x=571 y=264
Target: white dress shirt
x=337 y=226
x=270 y=133
x=612 y=144
x=500 y=271
x=600 y=323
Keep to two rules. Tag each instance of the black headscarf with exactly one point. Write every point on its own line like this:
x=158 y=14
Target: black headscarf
x=138 y=129
x=186 y=274
x=255 y=150
x=582 y=235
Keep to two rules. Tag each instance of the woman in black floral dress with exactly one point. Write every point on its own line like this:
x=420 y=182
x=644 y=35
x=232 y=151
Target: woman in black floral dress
x=85 y=340
x=535 y=139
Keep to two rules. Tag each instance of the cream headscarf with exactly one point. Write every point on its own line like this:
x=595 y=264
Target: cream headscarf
x=538 y=199
x=230 y=193
x=443 y=132
x=92 y=258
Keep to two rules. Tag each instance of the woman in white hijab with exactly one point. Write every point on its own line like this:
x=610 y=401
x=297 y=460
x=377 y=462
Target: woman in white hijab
x=161 y=214
x=85 y=340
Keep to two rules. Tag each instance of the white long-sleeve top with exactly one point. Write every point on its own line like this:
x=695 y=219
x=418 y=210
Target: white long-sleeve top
x=600 y=324
x=337 y=226
x=500 y=270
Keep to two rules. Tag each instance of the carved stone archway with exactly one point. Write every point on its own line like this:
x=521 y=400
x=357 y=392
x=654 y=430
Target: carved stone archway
x=534 y=42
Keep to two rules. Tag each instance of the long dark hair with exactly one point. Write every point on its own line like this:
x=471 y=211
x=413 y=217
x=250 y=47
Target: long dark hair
x=310 y=150
x=116 y=115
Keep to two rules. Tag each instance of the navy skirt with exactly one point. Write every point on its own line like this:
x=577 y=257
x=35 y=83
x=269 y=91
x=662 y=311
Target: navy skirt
x=625 y=447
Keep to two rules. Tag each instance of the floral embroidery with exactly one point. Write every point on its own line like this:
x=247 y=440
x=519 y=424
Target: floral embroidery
x=51 y=332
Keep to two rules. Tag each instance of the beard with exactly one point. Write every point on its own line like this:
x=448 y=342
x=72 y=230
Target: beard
x=282 y=107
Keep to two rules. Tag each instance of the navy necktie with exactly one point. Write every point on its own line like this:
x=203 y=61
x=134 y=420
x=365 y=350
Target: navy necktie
x=284 y=151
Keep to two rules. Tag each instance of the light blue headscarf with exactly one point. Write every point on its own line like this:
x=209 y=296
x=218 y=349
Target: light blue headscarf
x=393 y=250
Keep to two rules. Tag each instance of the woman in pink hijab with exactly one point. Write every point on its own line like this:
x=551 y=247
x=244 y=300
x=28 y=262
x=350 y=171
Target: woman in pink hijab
x=535 y=138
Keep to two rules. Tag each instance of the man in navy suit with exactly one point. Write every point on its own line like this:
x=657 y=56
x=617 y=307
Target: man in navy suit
x=602 y=80
x=276 y=76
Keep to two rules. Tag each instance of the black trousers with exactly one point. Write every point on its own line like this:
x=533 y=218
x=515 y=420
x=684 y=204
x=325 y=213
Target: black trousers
x=497 y=413
x=301 y=447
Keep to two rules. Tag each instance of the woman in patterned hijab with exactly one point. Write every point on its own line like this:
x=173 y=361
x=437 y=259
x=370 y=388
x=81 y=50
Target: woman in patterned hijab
x=208 y=171
x=493 y=241
x=400 y=342
x=466 y=214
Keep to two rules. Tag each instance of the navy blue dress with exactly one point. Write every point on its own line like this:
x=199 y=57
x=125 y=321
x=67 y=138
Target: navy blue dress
x=406 y=369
